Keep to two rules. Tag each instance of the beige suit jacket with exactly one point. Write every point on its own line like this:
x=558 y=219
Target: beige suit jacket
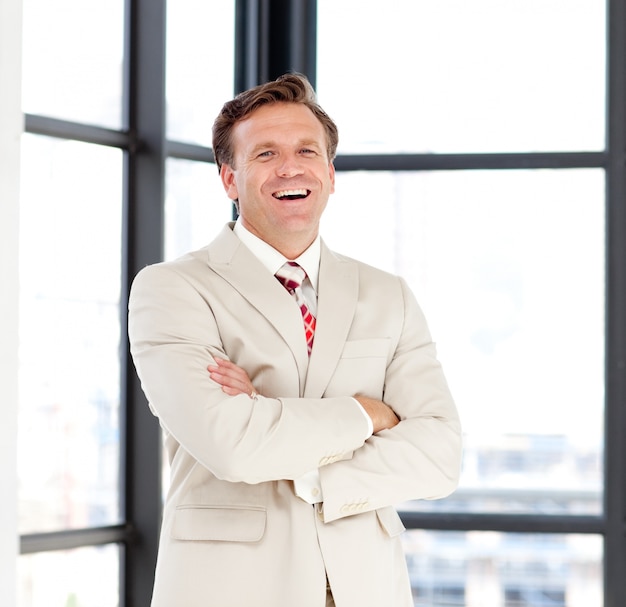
x=234 y=533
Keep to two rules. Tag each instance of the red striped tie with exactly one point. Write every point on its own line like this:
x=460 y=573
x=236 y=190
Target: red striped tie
x=291 y=275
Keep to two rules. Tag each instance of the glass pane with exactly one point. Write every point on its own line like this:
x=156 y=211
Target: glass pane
x=196 y=206
x=509 y=269
x=70 y=247
x=489 y=569
x=85 y=577
x=73 y=60
x=200 y=66
x=459 y=76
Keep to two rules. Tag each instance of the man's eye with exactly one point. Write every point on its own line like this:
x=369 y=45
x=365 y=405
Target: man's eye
x=307 y=151
x=265 y=154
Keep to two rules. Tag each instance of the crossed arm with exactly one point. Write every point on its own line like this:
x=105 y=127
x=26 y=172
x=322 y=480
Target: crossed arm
x=234 y=380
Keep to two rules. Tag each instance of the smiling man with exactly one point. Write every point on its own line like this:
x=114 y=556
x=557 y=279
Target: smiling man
x=298 y=389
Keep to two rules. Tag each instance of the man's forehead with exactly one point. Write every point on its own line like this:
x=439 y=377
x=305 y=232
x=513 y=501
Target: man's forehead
x=275 y=114
x=277 y=123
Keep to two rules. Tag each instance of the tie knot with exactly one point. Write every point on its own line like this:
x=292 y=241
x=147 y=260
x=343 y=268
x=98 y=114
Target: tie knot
x=291 y=275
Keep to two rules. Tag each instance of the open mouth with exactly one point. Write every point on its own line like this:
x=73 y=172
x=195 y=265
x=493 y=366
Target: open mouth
x=291 y=194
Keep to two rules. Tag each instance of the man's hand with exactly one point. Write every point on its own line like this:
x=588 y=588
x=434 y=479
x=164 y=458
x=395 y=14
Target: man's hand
x=382 y=415
x=233 y=379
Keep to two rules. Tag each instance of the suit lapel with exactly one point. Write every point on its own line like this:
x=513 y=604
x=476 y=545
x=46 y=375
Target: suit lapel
x=234 y=262
x=337 y=296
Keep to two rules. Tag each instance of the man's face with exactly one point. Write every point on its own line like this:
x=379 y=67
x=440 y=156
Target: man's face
x=283 y=176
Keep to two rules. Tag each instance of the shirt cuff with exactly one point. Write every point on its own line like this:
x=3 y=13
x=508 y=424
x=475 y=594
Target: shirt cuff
x=309 y=488
x=370 y=425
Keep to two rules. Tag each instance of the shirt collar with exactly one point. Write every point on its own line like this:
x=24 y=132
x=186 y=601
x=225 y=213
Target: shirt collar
x=273 y=260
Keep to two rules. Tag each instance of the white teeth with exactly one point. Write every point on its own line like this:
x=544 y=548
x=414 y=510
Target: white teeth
x=284 y=193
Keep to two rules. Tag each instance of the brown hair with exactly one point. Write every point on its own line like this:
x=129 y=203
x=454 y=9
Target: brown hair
x=290 y=88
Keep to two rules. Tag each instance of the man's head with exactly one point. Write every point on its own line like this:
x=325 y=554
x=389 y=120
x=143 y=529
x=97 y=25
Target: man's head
x=275 y=161
x=289 y=88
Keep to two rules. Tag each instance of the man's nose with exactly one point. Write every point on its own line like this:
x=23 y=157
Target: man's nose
x=290 y=167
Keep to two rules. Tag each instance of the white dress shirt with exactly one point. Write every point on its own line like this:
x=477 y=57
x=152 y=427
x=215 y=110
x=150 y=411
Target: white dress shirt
x=308 y=486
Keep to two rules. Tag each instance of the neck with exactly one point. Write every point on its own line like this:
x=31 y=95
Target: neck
x=291 y=244
x=293 y=248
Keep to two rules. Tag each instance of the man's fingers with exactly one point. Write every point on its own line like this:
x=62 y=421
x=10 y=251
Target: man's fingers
x=225 y=379
x=233 y=379
x=231 y=370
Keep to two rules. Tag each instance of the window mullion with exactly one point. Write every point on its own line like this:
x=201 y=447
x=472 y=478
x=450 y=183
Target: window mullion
x=615 y=448
x=144 y=234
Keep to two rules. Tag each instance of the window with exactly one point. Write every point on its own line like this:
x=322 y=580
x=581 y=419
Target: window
x=464 y=77
x=73 y=60
x=200 y=66
x=69 y=334
x=493 y=568
x=485 y=159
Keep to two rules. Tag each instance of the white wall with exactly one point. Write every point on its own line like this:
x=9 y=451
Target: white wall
x=11 y=126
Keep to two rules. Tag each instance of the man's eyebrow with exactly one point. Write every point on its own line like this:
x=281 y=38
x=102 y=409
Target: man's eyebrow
x=268 y=145
x=310 y=142
x=262 y=146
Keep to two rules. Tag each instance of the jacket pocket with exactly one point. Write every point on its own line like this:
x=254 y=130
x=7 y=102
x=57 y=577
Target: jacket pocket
x=390 y=521
x=360 y=369
x=219 y=523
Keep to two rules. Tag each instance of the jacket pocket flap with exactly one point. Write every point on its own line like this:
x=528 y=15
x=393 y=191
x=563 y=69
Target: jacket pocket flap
x=219 y=523
x=366 y=348
x=390 y=521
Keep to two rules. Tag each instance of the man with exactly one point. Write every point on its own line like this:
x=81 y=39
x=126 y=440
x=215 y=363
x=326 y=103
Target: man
x=297 y=408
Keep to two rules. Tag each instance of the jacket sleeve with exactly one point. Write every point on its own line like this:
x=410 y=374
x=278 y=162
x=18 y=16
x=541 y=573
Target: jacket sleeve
x=174 y=336
x=420 y=458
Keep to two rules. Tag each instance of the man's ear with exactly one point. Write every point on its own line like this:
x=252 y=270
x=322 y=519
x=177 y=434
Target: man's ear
x=331 y=172
x=227 y=175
